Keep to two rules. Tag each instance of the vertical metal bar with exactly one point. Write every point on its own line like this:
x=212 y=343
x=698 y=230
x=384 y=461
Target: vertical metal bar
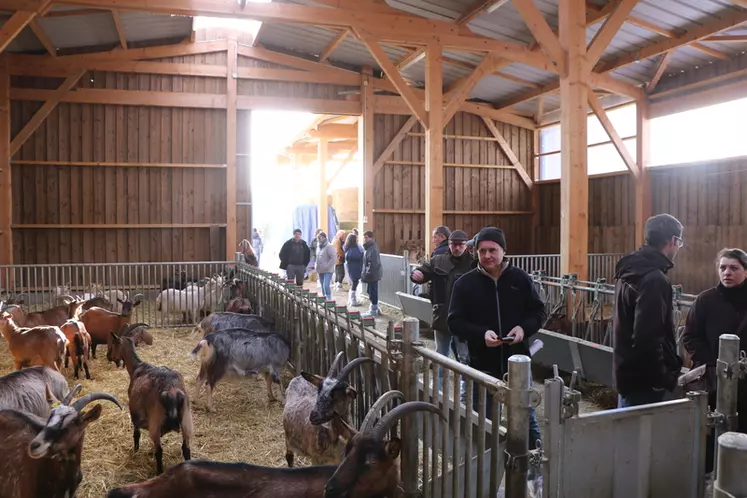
x=410 y=335
x=495 y=454
x=482 y=401
x=517 y=438
x=468 y=491
x=427 y=422
x=455 y=434
x=552 y=441
x=435 y=432
x=730 y=477
x=726 y=390
x=445 y=488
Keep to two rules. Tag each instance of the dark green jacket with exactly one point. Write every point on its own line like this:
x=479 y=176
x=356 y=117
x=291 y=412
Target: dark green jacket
x=442 y=271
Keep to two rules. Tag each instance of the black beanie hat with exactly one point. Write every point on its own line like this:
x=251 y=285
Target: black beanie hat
x=491 y=234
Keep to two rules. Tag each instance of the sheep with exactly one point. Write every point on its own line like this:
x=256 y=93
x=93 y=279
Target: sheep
x=44 y=345
x=41 y=457
x=79 y=343
x=312 y=400
x=240 y=352
x=227 y=320
x=369 y=469
x=158 y=401
x=137 y=331
x=100 y=322
x=26 y=390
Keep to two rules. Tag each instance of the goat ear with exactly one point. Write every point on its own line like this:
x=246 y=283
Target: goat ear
x=393 y=447
x=137 y=303
x=116 y=338
x=90 y=415
x=51 y=399
x=351 y=392
x=314 y=379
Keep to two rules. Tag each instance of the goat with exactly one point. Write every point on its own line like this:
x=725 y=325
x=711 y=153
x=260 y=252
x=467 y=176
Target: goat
x=369 y=469
x=137 y=331
x=100 y=322
x=42 y=455
x=177 y=281
x=55 y=316
x=312 y=400
x=25 y=390
x=159 y=402
x=79 y=343
x=240 y=352
x=43 y=345
x=79 y=306
x=213 y=295
x=117 y=298
x=187 y=302
x=60 y=294
x=238 y=303
x=227 y=320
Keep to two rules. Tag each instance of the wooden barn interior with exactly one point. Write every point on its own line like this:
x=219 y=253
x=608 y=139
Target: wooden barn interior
x=119 y=121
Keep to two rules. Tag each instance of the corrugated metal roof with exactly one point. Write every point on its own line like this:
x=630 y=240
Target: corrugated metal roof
x=142 y=26
x=26 y=41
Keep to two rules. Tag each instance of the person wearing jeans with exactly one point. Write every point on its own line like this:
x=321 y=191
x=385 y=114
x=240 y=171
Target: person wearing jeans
x=495 y=307
x=326 y=256
x=372 y=271
x=442 y=271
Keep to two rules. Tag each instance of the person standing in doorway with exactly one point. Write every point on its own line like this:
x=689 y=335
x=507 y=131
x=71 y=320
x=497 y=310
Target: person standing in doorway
x=372 y=271
x=257 y=244
x=325 y=263
x=294 y=257
x=644 y=349
x=442 y=271
x=495 y=307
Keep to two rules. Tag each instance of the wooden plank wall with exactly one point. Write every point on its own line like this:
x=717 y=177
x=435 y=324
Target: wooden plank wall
x=708 y=198
x=401 y=186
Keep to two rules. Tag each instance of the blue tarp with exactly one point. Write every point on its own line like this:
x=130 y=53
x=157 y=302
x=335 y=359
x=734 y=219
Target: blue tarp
x=306 y=217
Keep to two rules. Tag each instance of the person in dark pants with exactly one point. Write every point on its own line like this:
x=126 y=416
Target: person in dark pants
x=338 y=243
x=294 y=257
x=496 y=299
x=720 y=310
x=372 y=271
x=644 y=349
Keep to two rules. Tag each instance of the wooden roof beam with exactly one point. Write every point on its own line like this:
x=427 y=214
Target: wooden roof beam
x=41 y=34
x=479 y=8
x=120 y=29
x=461 y=92
x=13 y=27
x=333 y=45
x=660 y=68
x=537 y=24
x=601 y=114
x=607 y=32
x=335 y=132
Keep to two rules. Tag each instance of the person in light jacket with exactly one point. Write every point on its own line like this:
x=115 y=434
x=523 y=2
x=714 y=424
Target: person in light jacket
x=326 y=257
x=354 y=260
x=372 y=271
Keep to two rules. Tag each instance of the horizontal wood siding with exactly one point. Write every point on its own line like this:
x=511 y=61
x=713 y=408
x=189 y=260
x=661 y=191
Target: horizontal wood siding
x=402 y=186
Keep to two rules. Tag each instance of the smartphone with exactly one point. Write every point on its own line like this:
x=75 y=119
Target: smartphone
x=508 y=338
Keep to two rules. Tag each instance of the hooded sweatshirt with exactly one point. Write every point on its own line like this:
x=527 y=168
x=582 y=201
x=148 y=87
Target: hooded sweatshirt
x=643 y=331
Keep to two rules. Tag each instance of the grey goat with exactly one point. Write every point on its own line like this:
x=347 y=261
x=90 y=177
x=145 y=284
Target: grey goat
x=225 y=320
x=241 y=353
x=25 y=390
x=313 y=400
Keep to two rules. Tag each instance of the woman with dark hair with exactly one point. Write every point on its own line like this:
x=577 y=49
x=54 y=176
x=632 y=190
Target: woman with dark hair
x=719 y=310
x=354 y=261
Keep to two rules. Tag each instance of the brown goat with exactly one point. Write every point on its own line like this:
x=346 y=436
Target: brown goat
x=240 y=305
x=369 y=469
x=159 y=402
x=137 y=331
x=29 y=347
x=100 y=323
x=81 y=306
x=79 y=342
x=42 y=455
x=54 y=316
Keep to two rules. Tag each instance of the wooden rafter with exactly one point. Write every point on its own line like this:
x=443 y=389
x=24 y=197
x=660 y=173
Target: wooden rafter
x=478 y=8
x=41 y=34
x=30 y=65
x=44 y=111
x=607 y=32
x=333 y=45
x=399 y=83
x=120 y=29
x=541 y=31
x=466 y=86
x=401 y=135
x=660 y=68
x=13 y=26
x=506 y=148
x=601 y=114
x=160 y=52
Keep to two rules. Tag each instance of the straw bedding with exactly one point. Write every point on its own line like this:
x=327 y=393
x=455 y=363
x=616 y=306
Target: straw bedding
x=243 y=428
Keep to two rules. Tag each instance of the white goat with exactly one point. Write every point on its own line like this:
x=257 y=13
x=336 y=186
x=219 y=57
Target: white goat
x=213 y=295
x=188 y=302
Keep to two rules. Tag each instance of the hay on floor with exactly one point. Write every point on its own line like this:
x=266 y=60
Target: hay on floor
x=243 y=428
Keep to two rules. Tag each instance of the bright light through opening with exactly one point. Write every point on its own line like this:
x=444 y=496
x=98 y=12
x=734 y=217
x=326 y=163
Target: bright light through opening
x=245 y=25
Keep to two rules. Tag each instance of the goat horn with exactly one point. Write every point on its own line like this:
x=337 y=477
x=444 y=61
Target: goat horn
x=390 y=419
x=136 y=295
x=21 y=294
x=368 y=421
x=336 y=365
x=343 y=375
x=73 y=392
x=88 y=398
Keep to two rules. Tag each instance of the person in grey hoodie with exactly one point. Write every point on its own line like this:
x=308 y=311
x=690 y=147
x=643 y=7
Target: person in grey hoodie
x=372 y=271
x=326 y=257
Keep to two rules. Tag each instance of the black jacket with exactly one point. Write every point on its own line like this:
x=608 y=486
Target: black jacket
x=643 y=331
x=372 y=271
x=717 y=311
x=442 y=248
x=293 y=255
x=479 y=304
x=442 y=271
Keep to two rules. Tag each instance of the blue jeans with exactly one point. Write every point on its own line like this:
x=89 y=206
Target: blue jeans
x=534 y=430
x=326 y=279
x=646 y=397
x=446 y=341
x=373 y=292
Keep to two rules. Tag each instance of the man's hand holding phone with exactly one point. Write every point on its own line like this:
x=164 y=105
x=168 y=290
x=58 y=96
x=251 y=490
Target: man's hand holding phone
x=514 y=337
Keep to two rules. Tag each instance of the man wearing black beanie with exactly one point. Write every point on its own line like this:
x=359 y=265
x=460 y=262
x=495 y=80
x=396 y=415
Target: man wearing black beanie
x=492 y=301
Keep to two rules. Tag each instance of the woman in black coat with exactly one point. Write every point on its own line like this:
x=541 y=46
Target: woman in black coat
x=720 y=310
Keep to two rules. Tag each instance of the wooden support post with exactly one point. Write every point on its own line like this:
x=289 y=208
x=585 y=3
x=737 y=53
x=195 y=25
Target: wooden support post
x=366 y=148
x=574 y=181
x=6 y=191
x=434 y=142
x=231 y=117
x=321 y=158
x=643 y=208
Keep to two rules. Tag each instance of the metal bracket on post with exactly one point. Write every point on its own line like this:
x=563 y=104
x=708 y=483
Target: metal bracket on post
x=571 y=397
